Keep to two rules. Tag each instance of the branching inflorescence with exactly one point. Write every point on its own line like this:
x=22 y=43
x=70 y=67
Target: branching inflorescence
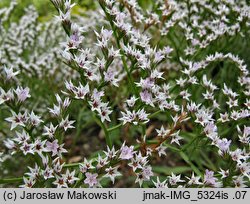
x=160 y=81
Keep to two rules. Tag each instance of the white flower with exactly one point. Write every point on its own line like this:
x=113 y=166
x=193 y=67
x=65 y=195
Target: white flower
x=81 y=91
x=159 y=184
x=66 y=123
x=161 y=150
x=10 y=74
x=87 y=165
x=34 y=172
x=22 y=93
x=147 y=172
x=17 y=120
x=209 y=178
x=126 y=152
x=10 y=144
x=6 y=96
x=174 y=179
x=22 y=137
x=223 y=145
x=28 y=182
x=111 y=153
x=112 y=173
x=50 y=131
x=104 y=112
x=224 y=173
x=239 y=182
x=101 y=162
x=70 y=177
x=91 y=179
x=47 y=173
x=27 y=148
x=176 y=138
x=194 y=180
x=52 y=147
x=56 y=110
x=60 y=182
x=39 y=146
x=35 y=120
x=162 y=132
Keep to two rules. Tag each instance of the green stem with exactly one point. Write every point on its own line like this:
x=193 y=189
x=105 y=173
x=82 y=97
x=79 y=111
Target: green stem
x=11 y=180
x=119 y=125
x=114 y=128
x=20 y=179
x=121 y=52
x=99 y=122
x=154 y=114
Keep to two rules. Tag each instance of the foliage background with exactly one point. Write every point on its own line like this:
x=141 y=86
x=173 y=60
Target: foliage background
x=46 y=12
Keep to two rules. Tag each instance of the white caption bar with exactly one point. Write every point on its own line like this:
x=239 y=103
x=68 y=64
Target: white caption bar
x=124 y=195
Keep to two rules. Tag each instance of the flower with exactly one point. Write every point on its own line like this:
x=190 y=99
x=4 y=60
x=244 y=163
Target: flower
x=66 y=123
x=147 y=172
x=194 y=180
x=101 y=162
x=161 y=150
x=239 y=182
x=22 y=137
x=10 y=74
x=10 y=144
x=176 y=138
x=223 y=145
x=22 y=93
x=111 y=153
x=174 y=179
x=70 y=177
x=6 y=96
x=81 y=91
x=60 y=182
x=34 y=172
x=39 y=146
x=131 y=102
x=27 y=148
x=35 y=120
x=209 y=178
x=50 y=131
x=159 y=184
x=87 y=165
x=52 y=147
x=126 y=152
x=47 y=173
x=104 y=112
x=224 y=173
x=91 y=179
x=146 y=97
x=162 y=132
x=17 y=120
x=28 y=182
x=56 y=110
x=112 y=173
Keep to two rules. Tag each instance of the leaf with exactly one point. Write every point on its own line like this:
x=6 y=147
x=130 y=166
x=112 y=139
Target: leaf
x=169 y=170
x=194 y=168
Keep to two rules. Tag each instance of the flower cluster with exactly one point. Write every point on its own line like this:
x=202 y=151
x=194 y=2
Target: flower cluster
x=165 y=86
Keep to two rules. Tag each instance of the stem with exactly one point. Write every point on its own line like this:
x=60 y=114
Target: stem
x=154 y=114
x=107 y=138
x=119 y=125
x=131 y=83
x=11 y=180
x=19 y=179
x=114 y=128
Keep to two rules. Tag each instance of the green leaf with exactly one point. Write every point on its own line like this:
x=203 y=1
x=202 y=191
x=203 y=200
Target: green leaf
x=169 y=170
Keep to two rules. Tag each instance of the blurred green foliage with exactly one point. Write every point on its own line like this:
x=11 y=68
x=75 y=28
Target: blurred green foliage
x=45 y=8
